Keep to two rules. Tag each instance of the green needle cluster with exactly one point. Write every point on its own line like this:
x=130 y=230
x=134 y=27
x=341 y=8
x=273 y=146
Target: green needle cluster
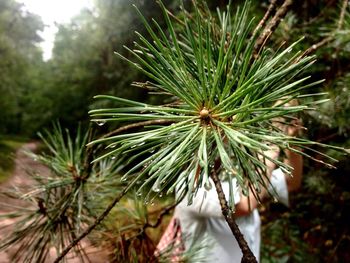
x=226 y=103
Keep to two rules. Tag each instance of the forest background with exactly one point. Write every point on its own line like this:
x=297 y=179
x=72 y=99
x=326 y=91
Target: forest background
x=34 y=93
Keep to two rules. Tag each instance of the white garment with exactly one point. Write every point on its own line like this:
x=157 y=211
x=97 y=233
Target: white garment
x=203 y=219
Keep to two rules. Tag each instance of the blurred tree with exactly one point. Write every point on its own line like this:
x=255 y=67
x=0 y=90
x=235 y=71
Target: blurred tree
x=19 y=58
x=84 y=63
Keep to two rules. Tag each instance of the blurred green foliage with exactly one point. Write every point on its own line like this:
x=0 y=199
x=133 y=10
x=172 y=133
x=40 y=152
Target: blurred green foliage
x=315 y=228
x=36 y=92
x=8 y=147
x=20 y=62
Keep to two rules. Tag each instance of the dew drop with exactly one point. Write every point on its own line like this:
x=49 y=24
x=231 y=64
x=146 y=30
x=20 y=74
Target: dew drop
x=207 y=186
x=156 y=189
x=100 y=123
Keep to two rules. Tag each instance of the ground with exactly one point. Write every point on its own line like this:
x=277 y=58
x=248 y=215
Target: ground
x=20 y=177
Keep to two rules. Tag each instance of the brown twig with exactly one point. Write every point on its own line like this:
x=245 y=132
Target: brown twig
x=248 y=256
x=271 y=26
x=316 y=46
x=164 y=211
x=329 y=38
x=269 y=11
x=342 y=14
x=175 y=18
x=91 y=227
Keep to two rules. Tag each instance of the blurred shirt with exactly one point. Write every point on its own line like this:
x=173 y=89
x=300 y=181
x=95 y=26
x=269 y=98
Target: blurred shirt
x=202 y=222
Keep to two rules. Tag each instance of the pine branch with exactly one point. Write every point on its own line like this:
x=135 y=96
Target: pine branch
x=342 y=14
x=87 y=166
x=329 y=38
x=263 y=21
x=248 y=256
x=316 y=46
x=93 y=226
x=271 y=26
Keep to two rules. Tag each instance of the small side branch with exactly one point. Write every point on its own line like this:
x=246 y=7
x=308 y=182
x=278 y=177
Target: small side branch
x=165 y=211
x=91 y=227
x=248 y=256
x=271 y=26
x=269 y=11
x=331 y=37
x=342 y=14
x=316 y=46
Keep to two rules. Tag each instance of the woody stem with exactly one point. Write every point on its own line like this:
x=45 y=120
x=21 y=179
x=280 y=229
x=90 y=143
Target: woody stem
x=248 y=256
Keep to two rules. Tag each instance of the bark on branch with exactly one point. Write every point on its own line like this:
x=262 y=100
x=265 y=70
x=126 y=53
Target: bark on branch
x=91 y=227
x=269 y=11
x=329 y=38
x=248 y=256
x=271 y=26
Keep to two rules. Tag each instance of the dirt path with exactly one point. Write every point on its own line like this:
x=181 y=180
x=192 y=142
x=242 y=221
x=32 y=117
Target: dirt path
x=20 y=177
